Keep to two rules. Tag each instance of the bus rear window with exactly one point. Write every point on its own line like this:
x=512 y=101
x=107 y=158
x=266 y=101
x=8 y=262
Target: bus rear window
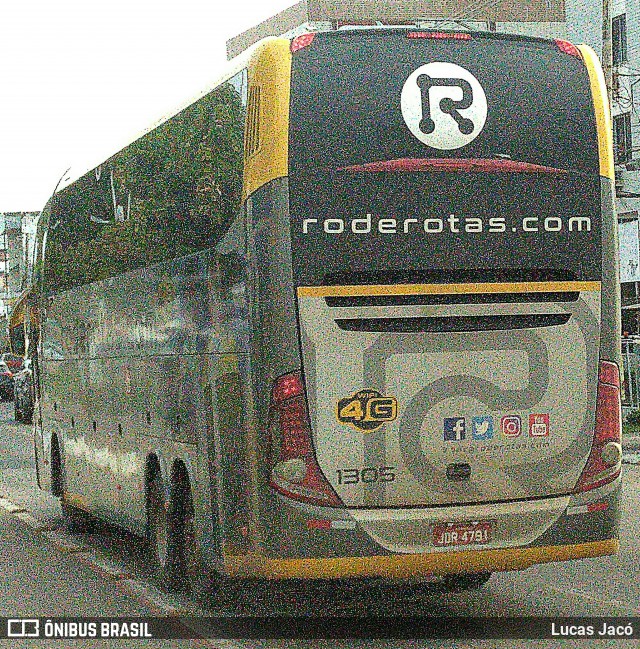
x=441 y=154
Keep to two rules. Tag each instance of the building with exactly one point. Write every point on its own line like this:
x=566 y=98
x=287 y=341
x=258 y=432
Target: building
x=530 y=17
x=17 y=236
x=625 y=51
x=621 y=37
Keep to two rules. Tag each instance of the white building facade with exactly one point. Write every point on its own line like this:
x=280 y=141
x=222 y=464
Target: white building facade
x=17 y=237
x=585 y=25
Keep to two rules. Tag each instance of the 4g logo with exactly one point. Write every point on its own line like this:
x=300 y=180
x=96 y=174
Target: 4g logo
x=367 y=410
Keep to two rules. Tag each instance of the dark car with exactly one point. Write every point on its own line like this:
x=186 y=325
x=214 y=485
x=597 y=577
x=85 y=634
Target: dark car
x=23 y=393
x=9 y=365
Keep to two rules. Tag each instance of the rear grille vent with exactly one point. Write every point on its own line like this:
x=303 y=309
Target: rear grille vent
x=452 y=323
x=451 y=298
x=452 y=276
x=252 y=133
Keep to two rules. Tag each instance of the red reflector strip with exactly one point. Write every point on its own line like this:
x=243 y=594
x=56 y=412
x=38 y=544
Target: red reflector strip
x=454 y=164
x=301 y=42
x=456 y=36
x=319 y=524
x=587 y=509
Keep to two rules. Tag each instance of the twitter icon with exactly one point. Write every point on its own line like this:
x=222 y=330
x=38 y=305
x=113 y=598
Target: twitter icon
x=482 y=427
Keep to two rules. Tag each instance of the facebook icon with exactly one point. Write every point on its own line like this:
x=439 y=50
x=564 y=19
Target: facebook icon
x=454 y=429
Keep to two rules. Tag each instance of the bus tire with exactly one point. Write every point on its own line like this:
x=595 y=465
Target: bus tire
x=466 y=581
x=163 y=546
x=195 y=579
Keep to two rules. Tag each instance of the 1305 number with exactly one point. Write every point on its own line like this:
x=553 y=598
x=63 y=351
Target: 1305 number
x=366 y=475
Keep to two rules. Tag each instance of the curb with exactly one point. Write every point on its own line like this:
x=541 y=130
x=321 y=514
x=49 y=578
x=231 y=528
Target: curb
x=158 y=602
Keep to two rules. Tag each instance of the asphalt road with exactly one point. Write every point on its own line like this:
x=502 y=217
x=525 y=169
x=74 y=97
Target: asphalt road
x=42 y=577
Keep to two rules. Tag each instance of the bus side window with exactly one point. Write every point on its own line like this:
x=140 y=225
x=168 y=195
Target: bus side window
x=231 y=270
x=153 y=201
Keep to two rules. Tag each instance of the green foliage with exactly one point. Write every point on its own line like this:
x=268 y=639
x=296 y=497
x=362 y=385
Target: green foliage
x=176 y=189
x=633 y=418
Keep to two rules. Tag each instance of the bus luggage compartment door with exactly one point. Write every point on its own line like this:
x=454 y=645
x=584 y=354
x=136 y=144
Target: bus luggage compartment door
x=450 y=403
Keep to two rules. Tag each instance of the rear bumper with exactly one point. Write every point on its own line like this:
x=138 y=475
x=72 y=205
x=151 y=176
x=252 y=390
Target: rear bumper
x=341 y=546
x=410 y=566
x=515 y=524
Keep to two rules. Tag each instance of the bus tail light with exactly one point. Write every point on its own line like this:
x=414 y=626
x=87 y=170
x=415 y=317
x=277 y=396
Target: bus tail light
x=300 y=42
x=456 y=36
x=294 y=470
x=604 y=463
x=567 y=47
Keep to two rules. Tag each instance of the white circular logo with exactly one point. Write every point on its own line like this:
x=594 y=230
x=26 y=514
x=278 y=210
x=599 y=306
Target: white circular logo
x=443 y=105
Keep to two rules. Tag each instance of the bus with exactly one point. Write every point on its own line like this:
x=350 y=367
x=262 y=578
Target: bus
x=352 y=312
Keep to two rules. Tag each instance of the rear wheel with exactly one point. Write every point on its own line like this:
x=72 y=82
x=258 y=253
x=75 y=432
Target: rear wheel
x=173 y=553
x=466 y=581
x=164 y=545
x=197 y=581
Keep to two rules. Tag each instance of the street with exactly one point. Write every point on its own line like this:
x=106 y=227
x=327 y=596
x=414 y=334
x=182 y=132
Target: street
x=50 y=572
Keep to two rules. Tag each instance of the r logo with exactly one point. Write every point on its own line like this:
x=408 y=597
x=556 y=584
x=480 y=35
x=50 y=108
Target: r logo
x=443 y=105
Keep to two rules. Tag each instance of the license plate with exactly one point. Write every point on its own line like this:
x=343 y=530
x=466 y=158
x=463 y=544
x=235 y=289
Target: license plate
x=453 y=534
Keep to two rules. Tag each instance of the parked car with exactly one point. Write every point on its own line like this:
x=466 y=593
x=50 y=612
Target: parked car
x=23 y=398
x=9 y=365
x=6 y=384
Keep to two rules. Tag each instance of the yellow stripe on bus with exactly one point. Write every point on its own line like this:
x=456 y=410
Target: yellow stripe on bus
x=444 y=289
x=270 y=73
x=601 y=107
x=405 y=566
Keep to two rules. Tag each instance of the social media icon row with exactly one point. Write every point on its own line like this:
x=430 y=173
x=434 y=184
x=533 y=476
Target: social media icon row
x=455 y=428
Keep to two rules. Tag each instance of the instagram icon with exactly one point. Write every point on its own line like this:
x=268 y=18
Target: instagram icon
x=511 y=426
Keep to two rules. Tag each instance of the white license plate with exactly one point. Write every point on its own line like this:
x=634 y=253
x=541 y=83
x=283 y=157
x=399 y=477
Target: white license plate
x=454 y=534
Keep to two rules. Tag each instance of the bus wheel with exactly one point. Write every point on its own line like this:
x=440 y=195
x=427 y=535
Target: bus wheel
x=195 y=579
x=163 y=548
x=466 y=581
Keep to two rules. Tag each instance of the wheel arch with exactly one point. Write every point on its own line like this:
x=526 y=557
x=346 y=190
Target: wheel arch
x=176 y=476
